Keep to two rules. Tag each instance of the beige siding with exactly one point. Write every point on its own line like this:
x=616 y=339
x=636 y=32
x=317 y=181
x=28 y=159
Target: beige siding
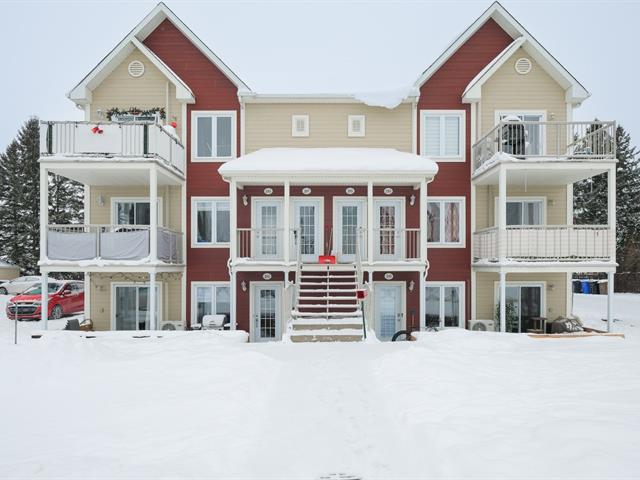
x=555 y=294
x=269 y=125
x=122 y=90
x=171 y=203
x=101 y=300
x=556 y=205
x=508 y=90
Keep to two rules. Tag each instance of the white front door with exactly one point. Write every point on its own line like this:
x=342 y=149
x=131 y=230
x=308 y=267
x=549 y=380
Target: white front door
x=267 y=316
x=267 y=230
x=307 y=221
x=388 y=229
x=389 y=310
x=348 y=224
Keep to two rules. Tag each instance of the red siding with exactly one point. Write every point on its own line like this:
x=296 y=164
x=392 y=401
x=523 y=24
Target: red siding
x=213 y=91
x=444 y=91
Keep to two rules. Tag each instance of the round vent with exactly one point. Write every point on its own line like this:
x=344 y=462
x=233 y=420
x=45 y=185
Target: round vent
x=523 y=66
x=136 y=68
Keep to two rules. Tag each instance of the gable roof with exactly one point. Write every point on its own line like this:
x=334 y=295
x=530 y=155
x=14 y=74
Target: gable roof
x=81 y=93
x=575 y=91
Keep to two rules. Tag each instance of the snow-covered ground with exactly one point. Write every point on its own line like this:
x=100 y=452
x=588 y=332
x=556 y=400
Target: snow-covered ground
x=456 y=404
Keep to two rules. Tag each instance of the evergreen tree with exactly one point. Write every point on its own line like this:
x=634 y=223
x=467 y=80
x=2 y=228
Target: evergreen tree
x=66 y=200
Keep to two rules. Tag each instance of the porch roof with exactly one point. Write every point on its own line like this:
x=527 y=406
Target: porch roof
x=329 y=162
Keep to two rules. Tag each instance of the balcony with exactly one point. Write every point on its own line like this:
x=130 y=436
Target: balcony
x=118 y=141
x=117 y=243
x=544 y=243
x=389 y=244
x=539 y=141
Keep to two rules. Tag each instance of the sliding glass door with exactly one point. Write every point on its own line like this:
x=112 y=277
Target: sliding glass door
x=523 y=302
x=131 y=307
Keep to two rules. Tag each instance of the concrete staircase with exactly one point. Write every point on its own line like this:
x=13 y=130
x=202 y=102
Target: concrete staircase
x=327 y=309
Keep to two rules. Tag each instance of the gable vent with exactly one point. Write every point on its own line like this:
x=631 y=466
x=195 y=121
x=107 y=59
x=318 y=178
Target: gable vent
x=523 y=66
x=136 y=68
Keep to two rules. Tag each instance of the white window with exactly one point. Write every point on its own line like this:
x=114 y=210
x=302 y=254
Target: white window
x=210 y=222
x=133 y=211
x=213 y=135
x=446 y=221
x=527 y=138
x=210 y=298
x=444 y=304
x=299 y=125
x=356 y=126
x=523 y=211
x=443 y=134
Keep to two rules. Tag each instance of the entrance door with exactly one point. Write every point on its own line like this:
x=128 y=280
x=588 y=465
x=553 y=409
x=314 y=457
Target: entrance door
x=523 y=302
x=131 y=307
x=389 y=222
x=348 y=222
x=389 y=310
x=267 y=238
x=267 y=318
x=306 y=221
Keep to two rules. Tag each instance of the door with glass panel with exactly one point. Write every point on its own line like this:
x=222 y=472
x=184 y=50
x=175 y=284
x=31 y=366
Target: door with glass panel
x=524 y=211
x=267 y=231
x=389 y=314
x=348 y=230
x=131 y=307
x=307 y=221
x=523 y=302
x=267 y=315
x=133 y=212
x=525 y=138
x=443 y=306
x=388 y=229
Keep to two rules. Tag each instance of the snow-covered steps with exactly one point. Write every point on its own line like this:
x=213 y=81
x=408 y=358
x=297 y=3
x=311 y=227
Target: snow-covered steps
x=350 y=323
x=327 y=335
x=299 y=314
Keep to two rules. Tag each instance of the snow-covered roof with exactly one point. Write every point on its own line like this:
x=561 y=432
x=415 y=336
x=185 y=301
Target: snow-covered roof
x=329 y=162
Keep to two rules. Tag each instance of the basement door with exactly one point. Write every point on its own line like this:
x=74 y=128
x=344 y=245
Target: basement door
x=348 y=222
x=306 y=221
x=267 y=312
x=389 y=313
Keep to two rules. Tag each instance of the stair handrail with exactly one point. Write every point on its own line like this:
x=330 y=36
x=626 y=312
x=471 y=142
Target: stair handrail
x=297 y=246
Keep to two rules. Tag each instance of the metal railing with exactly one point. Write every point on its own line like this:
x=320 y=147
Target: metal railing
x=571 y=140
x=111 y=242
x=544 y=243
x=260 y=243
x=111 y=139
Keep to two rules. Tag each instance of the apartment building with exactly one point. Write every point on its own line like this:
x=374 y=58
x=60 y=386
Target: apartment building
x=451 y=206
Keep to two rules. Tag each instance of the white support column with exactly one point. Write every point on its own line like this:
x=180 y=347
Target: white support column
x=153 y=214
x=370 y=221
x=44 y=211
x=423 y=220
x=503 y=300
x=502 y=213
x=44 y=300
x=611 y=210
x=233 y=219
x=233 y=292
x=286 y=223
x=421 y=310
x=153 y=300
x=610 y=292
x=474 y=280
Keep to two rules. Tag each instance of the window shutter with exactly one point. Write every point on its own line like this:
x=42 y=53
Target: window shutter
x=432 y=136
x=451 y=136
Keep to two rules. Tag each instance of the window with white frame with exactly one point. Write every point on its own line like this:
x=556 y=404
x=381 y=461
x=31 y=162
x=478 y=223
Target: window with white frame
x=443 y=134
x=445 y=221
x=356 y=126
x=210 y=221
x=213 y=135
x=523 y=211
x=444 y=304
x=299 y=125
x=210 y=299
x=133 y=211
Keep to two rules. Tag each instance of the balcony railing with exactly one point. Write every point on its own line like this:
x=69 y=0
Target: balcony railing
x=540 y=243
x=570 y=140
x=77 y=243
x=260 y=244
x=121 y=140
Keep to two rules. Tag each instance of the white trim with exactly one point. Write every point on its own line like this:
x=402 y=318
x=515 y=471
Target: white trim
x=542 y=284
x=462 y=299
x=354 y=118
x=414 y=128
x=144 y=283
x=294 y=125
x=194 y=132
x=115 y=200
x=318 y=202
x=280 y=287
x=463 y=222
x=541 y=199
x=462 y=115
x=194 y=223
x=205 y=283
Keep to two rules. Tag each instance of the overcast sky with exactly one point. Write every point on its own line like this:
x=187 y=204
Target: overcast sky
x=46 y=47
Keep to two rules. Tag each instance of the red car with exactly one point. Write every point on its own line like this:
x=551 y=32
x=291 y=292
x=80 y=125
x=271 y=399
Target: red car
x=65 y=298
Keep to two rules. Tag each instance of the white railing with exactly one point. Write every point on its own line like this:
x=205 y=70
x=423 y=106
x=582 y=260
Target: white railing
x=544 y=243
x=522 y=139
x=111 y=242
x=111 y=139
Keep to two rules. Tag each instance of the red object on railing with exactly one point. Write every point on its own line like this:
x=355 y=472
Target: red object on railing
x=361 y=294
x=97 y=129
x=327 y=259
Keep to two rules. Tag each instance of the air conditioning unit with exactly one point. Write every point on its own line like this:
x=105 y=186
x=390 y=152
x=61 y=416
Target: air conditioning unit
x=482 y=325
x=171 y=325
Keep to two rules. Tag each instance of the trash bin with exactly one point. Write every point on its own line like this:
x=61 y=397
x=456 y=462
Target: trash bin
x=586 y=287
